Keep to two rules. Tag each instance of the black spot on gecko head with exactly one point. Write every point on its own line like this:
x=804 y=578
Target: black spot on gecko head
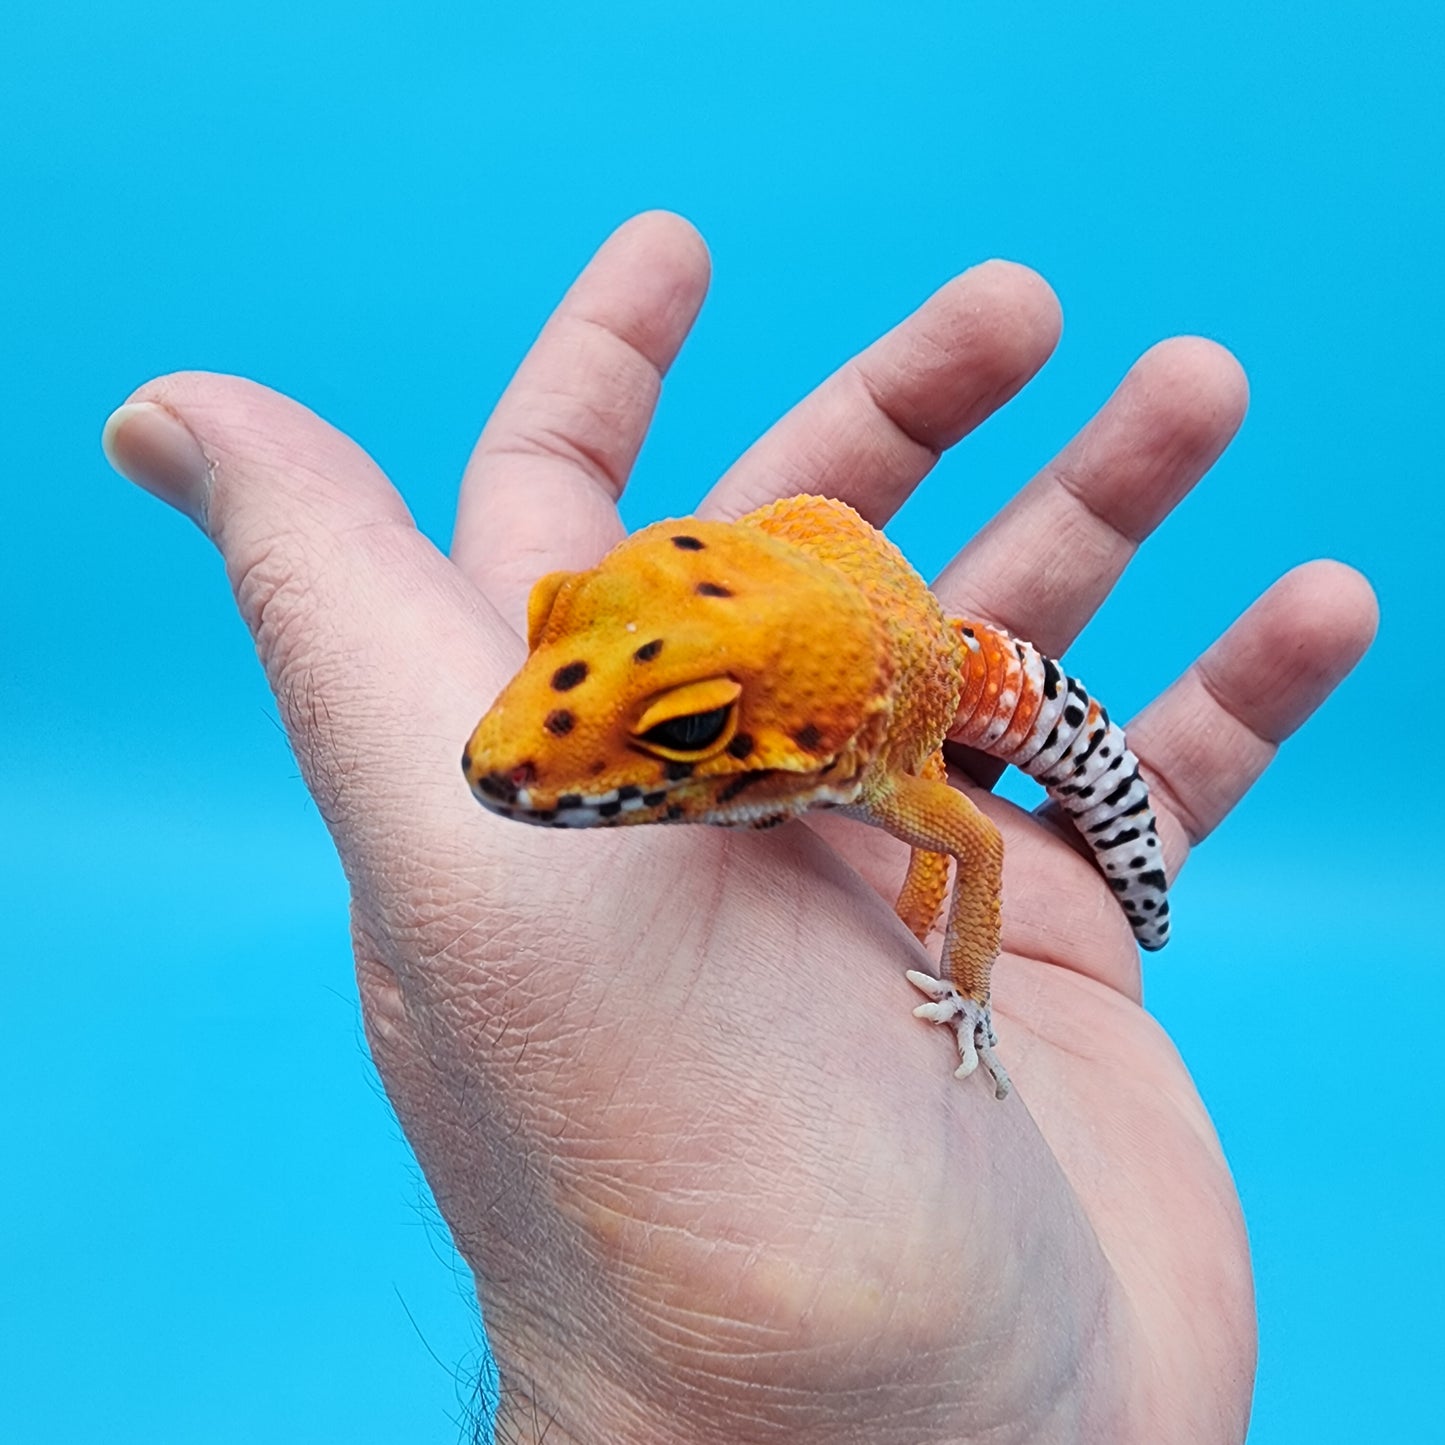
x=687 y=544
x=676 y=772
x=648 y=650
x=712 y=589
x=560 y=723
x=566 y=678
x=741 y=745
x=808 y=738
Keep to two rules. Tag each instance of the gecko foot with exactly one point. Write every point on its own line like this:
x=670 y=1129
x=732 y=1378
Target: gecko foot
x=972 y=1024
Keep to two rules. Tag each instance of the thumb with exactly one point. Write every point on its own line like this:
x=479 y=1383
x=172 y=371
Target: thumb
x=380 y=654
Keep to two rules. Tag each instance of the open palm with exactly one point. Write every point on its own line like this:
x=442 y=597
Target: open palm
x=716 y=1183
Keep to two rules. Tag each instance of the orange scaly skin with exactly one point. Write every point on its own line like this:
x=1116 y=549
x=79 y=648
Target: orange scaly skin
x=741 y=673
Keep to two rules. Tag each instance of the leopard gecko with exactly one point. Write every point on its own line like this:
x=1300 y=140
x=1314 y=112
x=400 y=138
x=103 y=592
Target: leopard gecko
x=742 y=673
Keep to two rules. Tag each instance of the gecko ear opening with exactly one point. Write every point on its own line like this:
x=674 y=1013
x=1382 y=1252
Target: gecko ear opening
x=539 y=604
x=690 y=723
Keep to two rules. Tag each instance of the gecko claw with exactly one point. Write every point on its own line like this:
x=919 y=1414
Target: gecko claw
x=972 y=1024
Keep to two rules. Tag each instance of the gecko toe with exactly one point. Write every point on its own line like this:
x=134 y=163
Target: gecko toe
x=972 y=1025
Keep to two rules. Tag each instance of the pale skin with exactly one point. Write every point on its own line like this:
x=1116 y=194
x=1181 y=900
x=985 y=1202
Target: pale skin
x=717 y=1184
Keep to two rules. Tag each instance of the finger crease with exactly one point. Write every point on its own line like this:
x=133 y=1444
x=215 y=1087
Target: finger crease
x=886 y=412
x=1216 y=696
x=1075 y=489
x=631 y=346
x=549 y=444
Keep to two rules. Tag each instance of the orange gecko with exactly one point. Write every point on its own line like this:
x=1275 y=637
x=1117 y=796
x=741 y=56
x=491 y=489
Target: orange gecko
x=741 y=673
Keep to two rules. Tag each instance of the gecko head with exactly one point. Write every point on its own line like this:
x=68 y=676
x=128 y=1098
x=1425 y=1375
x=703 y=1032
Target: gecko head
x=701 y=672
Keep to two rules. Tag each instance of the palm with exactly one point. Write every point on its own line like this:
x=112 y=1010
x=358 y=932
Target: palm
x=716 y=1181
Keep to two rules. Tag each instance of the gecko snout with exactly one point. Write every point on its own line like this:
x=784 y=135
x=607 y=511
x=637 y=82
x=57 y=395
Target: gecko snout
x=504 y=788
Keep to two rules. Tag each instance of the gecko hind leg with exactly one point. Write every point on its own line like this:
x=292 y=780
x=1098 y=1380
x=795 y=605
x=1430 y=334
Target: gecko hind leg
x=972 y=1024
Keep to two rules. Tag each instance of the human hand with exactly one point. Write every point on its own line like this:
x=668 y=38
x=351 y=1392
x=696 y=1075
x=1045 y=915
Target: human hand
x=701 y=1205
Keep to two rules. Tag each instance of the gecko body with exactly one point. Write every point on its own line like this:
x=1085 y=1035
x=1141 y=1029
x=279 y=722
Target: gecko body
x=742 y=673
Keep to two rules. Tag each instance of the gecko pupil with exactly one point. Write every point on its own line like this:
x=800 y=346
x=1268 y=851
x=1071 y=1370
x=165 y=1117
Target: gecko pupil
x=693 y=730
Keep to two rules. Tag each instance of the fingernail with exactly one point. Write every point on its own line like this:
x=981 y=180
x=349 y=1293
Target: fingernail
x=153 y=448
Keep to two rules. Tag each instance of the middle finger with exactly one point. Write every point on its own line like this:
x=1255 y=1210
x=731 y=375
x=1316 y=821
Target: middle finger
x=874 y=429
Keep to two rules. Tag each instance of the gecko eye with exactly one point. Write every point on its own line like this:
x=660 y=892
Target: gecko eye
x=690 y=733
x=690 y=723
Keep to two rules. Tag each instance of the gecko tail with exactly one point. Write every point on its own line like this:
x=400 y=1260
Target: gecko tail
x=1021 y=707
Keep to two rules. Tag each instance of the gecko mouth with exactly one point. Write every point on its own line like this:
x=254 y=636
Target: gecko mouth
x=501 y=793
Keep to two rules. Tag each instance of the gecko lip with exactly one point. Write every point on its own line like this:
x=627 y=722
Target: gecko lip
x=497 y=794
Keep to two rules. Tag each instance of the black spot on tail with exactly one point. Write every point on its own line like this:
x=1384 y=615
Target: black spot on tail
x=1122 y=791
x=1094 y=740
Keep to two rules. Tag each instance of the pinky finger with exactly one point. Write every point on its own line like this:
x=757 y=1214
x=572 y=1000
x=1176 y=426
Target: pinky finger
x=1205 y=741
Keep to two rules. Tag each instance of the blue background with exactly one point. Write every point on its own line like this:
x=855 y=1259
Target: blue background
x=212 y=1230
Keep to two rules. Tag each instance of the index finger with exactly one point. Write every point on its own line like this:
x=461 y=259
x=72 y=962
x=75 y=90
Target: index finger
x=540 y=491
